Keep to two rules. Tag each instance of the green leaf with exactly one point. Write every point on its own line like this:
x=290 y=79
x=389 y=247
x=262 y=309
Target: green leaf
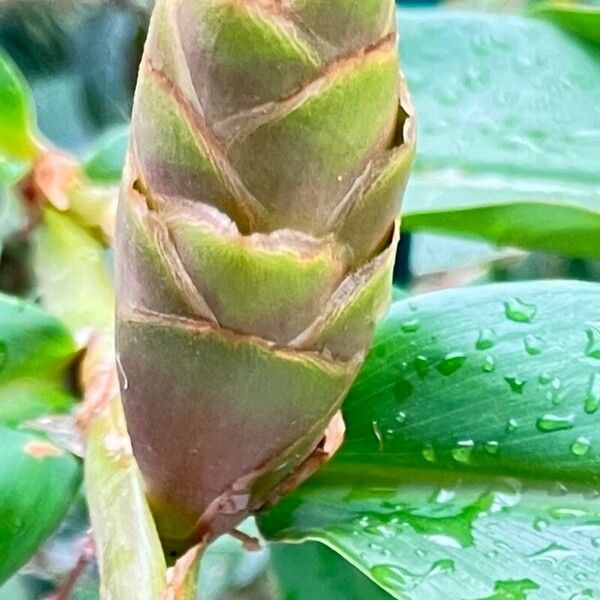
x=105 y=162
x=67 y=257
x=472 y=455
x=227 y=568
x=579 y=18
x=38 y=482
x=309 y=571
x=508 y=111
x=17 y=120
x=35 y=353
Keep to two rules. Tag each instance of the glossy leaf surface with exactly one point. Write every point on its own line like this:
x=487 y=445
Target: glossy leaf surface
x=38 y=482
x=508 y=110
x=470 y=467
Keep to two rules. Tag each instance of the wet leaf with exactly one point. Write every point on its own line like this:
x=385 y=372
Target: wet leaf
x=493 y=94
x=468 y=481
x=38 y=482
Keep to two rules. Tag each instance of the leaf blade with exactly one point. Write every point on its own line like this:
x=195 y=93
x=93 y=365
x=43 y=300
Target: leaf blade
x=418 y=498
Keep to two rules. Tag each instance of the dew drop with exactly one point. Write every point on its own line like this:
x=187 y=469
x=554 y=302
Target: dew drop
x=443 y=496
x=451 y=363
x=592 y=400
x=553 y=554
x=518 y=311
x=401 y=417
x=593 y=346
x=411 y=326
x=428 y=453
x=540 y=524
x=595 y=542
x=515 y=383
x=403 y=390
x=556 y=383
x=534 y=345
x=549 y=423
x=487 y=339
x=492 y=447
x=421 y=365
x=544 y=379
x=462 y=452
x=489 y=364
x=512 y=425
x=581 y=446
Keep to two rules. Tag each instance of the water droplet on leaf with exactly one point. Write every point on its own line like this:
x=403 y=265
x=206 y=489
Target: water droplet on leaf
x=592 y=401
x=593 y=346
x=489 y=364
x=491 y=447
x=421 y=365
x=581 y=446
x=487 y=339
x=403 y=390
x=451 y=363
x=515 y=383
x=518 y=311
x=544 y=379
x=429 y=453
x=550 y=422
x=533 y=345
x=411 y=326
x=462 y=452
x=512 y=425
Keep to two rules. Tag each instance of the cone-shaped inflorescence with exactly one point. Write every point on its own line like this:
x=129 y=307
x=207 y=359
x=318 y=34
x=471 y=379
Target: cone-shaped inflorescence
x=271 y=142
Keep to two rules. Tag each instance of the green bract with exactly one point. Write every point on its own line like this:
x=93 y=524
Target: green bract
x=256 y=236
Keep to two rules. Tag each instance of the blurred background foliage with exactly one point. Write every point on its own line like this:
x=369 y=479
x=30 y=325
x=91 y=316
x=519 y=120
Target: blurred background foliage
x=80 y=59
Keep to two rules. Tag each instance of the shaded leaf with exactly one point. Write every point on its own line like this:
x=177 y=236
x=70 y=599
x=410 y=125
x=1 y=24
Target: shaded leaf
x=471 y=464
x=494 y=93
x=38 y=482
x=35 y=354
x=308 y=571
x=16 y=113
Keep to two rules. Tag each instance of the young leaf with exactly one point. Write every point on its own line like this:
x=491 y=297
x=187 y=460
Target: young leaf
x=68 y=257
x=17 y=120
x=38 y=482
x=508 y=111
x=579 y=18
x=471 y=461
x=35 y=353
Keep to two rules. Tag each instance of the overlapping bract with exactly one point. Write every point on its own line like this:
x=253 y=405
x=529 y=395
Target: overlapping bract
x=271 y=142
